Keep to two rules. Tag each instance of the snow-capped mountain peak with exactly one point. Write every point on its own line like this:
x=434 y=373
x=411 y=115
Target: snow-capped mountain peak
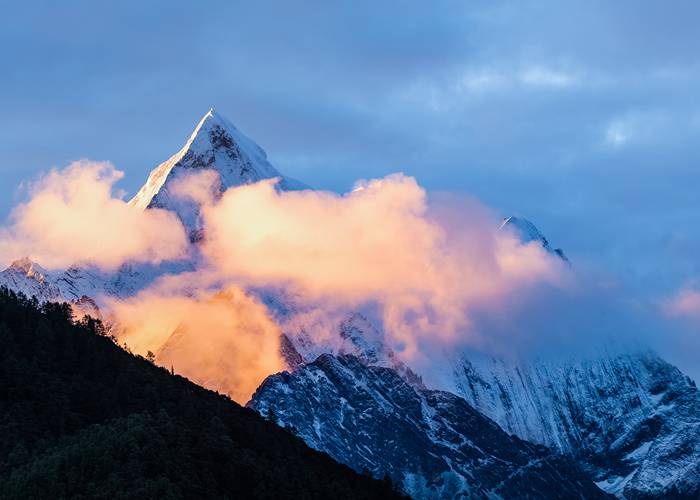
x=29 y=268
x=528 y=232
x=215 y=145
x=28 y=277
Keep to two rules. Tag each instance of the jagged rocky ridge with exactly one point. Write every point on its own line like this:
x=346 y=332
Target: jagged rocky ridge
x=637 y=439
x=432 y=443
x=630 y=418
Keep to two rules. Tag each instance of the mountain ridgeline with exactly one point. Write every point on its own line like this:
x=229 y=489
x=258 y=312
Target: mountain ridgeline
x=432 y=443
x=83 y=419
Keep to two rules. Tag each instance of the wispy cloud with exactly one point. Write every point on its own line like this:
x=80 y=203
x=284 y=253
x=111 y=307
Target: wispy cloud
x=618 y=132
x=541 y=76
x=516 y=78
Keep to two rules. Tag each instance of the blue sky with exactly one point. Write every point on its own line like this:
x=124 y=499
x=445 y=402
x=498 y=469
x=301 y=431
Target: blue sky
x=583 y=116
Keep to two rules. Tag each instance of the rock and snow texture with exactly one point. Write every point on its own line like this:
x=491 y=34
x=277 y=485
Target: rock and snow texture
x=354 y=334
x=70 y=285
x=32 y=280
x=215 y=145
x=431 y=443
x=632 y=418
x=77 y=282
x=528 y=232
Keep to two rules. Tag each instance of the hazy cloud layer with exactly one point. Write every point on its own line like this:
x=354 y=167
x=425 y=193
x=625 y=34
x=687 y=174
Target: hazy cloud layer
x=686 y=303
x=224 y=340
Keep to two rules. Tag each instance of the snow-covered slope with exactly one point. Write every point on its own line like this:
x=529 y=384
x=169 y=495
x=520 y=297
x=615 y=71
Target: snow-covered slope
x=632 y=418
x=353 y=334
x=77 y=282
x=32 y=280
x=432 y=443
x=215 y=145
x=625 y=415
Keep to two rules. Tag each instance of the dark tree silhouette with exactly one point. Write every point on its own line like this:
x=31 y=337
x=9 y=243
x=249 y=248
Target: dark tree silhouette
x=81 y=418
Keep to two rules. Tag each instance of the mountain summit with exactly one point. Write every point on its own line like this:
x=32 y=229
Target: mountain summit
x=215 y=145
x=527 y=232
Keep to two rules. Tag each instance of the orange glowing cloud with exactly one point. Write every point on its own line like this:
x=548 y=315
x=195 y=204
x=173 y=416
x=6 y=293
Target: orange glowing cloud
x=72 y=217
x=422 y=264
x=224 y=341
x=381 y=242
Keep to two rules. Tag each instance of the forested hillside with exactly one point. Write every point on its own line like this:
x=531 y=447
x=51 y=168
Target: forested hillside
x=82 y=418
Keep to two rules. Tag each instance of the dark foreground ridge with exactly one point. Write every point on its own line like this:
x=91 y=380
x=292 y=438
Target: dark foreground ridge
x=81 y=418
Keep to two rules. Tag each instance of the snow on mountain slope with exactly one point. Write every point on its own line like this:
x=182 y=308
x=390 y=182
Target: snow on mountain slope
x=625 y=415
x=77 y=282
x=215 y=145
x=30 y=279
x=431 y=443
x=632 y=418
x=353 y=333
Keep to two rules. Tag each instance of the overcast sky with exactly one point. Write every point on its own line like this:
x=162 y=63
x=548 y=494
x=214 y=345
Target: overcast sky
x=582 y=116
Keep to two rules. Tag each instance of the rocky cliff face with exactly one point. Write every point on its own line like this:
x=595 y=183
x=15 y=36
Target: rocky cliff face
x=432 y=443
x=628 y=417
x=631 y=418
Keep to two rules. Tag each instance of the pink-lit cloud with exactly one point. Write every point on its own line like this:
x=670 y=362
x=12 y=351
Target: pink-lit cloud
x=382 y=242
x=426 y=265
x=73 y=217
x=685 y=303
